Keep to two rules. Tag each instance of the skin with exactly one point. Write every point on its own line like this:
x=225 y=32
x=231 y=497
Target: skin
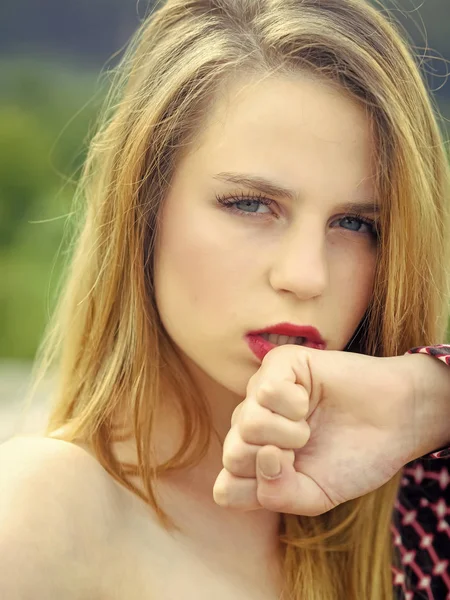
x=219 y=275
x=350 y=421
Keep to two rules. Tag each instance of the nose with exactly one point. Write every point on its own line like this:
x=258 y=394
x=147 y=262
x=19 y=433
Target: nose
x=300 y=265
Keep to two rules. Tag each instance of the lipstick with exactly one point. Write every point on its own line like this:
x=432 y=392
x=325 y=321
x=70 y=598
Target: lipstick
x=305 y=335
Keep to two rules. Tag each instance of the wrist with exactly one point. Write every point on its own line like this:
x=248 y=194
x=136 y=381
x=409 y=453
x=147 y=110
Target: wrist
x=427 y=395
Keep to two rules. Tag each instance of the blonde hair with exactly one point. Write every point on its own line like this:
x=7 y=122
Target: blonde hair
x=108 y=339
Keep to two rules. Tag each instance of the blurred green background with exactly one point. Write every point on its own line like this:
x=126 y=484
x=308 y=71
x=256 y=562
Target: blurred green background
x=52 y=54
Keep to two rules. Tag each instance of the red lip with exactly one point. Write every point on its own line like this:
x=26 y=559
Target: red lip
x=260 y=347
x=307 y=331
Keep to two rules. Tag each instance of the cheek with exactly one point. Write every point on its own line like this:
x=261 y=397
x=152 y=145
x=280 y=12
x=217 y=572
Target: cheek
x=353 y=280
x=353 y=265
x=199 y=272
x=357 y=276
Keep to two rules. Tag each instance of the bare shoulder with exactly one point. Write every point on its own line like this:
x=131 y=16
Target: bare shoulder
x=56 y=505
x=64 y=474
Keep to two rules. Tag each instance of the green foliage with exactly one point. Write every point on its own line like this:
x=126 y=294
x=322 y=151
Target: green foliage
x=45 y=117
x=23 y=145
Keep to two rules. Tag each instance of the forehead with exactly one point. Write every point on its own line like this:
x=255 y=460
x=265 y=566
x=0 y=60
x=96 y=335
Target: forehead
x=296 y=129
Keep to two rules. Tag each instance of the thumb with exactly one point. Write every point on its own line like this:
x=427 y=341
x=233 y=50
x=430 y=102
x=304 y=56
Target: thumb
x=270 y=461
x=280 y=488
x=274 y=473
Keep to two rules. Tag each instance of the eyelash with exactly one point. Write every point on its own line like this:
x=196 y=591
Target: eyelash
x=228 y=202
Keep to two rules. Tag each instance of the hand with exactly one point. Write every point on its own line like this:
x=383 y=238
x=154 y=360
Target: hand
x=338 y=425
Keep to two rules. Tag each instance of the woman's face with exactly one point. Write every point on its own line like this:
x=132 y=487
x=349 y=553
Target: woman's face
x=302 y=257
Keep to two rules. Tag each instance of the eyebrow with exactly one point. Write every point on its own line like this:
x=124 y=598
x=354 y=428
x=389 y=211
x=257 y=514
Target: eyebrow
x=272 y=188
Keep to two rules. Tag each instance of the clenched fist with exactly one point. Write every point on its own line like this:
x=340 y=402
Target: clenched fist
x=318 y=428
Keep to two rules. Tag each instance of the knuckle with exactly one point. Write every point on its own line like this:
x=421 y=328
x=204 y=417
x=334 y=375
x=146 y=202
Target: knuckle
x=221 y=490
x=251 y=431
x=267 y=390
x=221 y=495
x=235 y=461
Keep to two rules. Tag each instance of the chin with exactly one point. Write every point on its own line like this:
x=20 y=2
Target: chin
x=237 y=382
x=234 y=379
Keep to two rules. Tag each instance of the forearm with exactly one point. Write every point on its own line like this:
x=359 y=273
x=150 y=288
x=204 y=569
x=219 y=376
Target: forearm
x=427 y=385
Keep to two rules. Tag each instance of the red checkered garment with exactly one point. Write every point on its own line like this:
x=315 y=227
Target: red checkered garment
x=420 y=527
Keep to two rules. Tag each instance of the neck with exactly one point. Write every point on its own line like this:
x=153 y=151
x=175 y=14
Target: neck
x=186 y=495
x=244 y=544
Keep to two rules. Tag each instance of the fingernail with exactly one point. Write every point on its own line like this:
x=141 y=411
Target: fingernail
x=270 y=466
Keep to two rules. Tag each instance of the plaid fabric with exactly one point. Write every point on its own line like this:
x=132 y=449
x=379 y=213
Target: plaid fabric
x=421 y=522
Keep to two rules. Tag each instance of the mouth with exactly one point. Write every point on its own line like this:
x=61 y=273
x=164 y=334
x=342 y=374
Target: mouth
x=281 y=340
x=261 y=342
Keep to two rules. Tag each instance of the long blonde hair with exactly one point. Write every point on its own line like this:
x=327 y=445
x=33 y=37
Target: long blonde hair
x=107 y=338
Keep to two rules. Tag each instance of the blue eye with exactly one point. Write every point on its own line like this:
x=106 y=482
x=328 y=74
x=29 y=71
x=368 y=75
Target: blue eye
x=359 y=224
x=249 y=204
x=246 y=205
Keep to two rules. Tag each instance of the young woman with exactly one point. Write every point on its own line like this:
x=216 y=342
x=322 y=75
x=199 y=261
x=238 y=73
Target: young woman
x=270 y=173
